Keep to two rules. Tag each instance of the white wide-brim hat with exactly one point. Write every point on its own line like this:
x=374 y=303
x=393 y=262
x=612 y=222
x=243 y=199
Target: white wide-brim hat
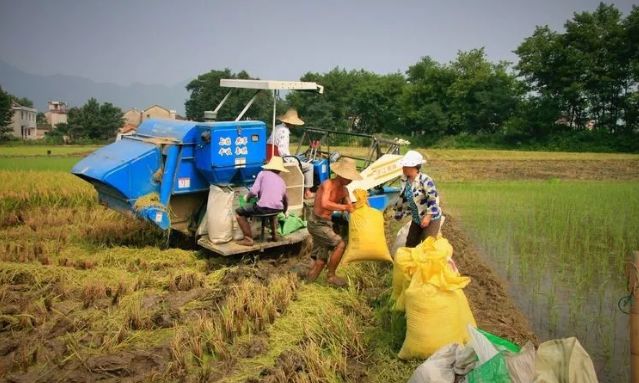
x=412 y=158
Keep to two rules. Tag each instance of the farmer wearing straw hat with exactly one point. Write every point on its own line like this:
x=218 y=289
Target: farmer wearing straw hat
x=418 y=199
x=328 y=246
x=270 y=190
x=278 y=145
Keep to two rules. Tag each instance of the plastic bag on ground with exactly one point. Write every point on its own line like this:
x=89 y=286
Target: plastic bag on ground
x=487 y=345
x=521 y=365
x=289 y=224
x=220 y=224
x=465 y=360
x=493 y=371
x=400 y=239
x=563 y=361
x=438 y=368
x=500 y=343
x=366 y=238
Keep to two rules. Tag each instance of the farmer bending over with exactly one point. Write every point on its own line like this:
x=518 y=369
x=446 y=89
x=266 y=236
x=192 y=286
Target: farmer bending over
x=419 y=199
x=270 y=190
x=331 y=196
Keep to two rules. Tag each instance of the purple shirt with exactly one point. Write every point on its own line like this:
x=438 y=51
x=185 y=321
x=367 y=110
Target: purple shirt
x=270 y=190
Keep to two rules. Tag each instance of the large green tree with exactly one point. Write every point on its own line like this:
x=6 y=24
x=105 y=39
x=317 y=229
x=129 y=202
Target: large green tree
x=469 y=94
x=586 y=71
x=355 y=100
x=206 y=94
x=377 y=104
x=425 y=101
x=5 y=115
x=94 y=121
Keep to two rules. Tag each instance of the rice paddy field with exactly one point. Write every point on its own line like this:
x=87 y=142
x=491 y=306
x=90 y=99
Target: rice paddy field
x=89 y=294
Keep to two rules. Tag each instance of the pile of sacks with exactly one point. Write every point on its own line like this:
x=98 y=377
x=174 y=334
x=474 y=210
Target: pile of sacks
x=440 y=327
x=489 y=358
x=428 y=287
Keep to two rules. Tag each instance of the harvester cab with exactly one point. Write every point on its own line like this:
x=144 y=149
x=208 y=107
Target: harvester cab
x=166 y=171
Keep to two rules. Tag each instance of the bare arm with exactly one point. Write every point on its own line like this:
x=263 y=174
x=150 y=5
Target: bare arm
x=327 y=204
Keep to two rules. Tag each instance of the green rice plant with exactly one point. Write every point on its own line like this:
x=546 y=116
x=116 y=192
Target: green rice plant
x=566 y=241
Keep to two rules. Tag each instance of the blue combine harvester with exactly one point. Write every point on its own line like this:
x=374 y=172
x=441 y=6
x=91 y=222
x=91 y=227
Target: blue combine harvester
x=164 y=171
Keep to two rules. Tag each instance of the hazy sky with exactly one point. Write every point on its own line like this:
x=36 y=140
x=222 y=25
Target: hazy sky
x=165 y=42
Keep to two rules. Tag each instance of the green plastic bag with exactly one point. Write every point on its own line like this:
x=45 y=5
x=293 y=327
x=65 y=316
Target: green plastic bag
x=289 y=224
x=500 y=343
x=493 y=371
x=244 y=202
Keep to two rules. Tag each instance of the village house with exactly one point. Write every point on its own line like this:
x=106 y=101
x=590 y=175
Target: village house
x=23 y=122
x=134 y=117
x=157 y=111
x=56 y=113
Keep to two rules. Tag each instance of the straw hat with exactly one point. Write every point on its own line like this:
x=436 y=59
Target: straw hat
x=346 y=168
x=290 y=117
x=276 y=163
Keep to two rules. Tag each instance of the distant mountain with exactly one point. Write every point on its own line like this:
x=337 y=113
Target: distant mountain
x=75 y=90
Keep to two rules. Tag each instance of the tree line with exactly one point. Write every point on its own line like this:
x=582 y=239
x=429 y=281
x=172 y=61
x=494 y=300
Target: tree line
x=576 y=89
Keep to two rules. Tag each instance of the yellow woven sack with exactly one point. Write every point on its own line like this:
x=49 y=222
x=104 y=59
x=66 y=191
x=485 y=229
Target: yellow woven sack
x=435 y=317
x=403 y=268
x=366 y=239
x=410 y=260
x=430 y=291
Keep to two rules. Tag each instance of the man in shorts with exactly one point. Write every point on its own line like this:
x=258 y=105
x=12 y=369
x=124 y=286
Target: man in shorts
x=328 y=246
x=270 y=189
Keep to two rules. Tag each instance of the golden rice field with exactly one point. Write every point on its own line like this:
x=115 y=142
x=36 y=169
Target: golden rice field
x=87 y=293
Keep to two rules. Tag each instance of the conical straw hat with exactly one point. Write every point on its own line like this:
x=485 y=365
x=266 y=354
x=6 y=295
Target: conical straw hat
x=346 y=168
x=276 y=163
x=290 y=117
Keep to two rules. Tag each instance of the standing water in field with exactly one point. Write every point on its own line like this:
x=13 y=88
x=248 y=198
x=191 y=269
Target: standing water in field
x=562 y=247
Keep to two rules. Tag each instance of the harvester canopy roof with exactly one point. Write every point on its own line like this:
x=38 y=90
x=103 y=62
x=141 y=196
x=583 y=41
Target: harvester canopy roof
x=271 y=85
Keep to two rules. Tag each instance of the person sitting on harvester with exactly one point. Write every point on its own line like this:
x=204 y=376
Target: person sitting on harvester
x=328 y=246
x=419 y=199
x=278 y=145
x=270 y=189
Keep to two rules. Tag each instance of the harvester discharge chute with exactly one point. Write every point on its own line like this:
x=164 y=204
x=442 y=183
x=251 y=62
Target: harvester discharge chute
x=162 y=172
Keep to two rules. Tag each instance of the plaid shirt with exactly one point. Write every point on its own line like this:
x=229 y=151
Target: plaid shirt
x=425 y=199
